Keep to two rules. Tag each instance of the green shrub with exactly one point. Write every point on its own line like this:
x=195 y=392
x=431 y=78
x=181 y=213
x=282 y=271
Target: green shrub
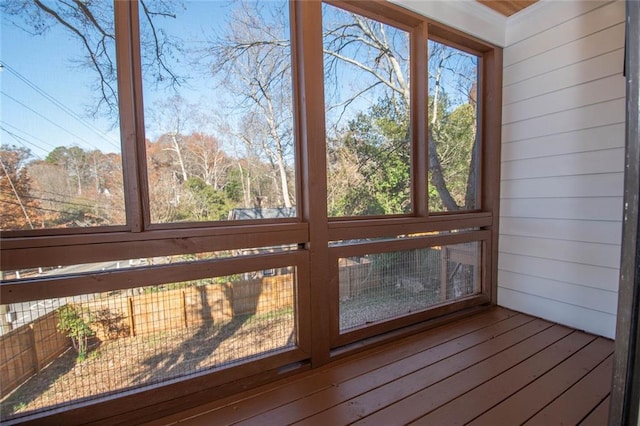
x=72 y=323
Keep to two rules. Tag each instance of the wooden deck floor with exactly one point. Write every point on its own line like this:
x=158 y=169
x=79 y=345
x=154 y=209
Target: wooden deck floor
x=495 y=368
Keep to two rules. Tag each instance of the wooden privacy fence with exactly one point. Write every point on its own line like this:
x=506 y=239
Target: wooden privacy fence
x=27 y=349
x=168 y=310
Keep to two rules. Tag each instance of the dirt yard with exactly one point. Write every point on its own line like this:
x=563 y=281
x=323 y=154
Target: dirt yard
x=127 y=363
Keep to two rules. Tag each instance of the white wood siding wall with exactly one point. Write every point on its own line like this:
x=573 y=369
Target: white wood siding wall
x=562 y=163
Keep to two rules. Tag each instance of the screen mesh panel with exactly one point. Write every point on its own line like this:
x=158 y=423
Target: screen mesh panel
x=382 y=286
x=57 y=351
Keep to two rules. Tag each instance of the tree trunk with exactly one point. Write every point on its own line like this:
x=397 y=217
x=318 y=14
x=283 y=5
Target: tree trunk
x=435 y=170
x=470 y=199
x=176 y=148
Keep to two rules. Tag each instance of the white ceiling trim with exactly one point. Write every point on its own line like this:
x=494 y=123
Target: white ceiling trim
x=468 y=16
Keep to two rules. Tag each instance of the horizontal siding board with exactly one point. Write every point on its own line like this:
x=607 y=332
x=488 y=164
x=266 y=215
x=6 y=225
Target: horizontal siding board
x=587 y=297
x=596 y=44
x=575 y=273
x=598 y=185
x=562 y=164
x=581 y=72
x=568 y=31
x=578 y=317
x=589 y=232
x=591 y=116
x=587 y=208
x=606 y=255
x=581 y=163
x=591 y=139
x=546 y=16
x=593 y=92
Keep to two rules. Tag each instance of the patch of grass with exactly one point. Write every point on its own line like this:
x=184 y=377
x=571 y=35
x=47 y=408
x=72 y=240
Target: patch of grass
x=19 y=407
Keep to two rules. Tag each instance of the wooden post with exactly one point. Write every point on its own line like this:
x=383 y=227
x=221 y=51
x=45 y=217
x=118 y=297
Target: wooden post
x=625 y=391
x=310 y=120
x=130 y=315
x=444 y=272
x=183 y=305
x=34 y=349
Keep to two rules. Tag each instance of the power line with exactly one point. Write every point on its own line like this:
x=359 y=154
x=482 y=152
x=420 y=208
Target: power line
x=4 y=123
x=45 y=209
x=89 y=200
x=64 y=195
x=46 y=119
x=60 y=105
x=70 y=203
x=13 y=188
x=23 y=141
x=58 y=202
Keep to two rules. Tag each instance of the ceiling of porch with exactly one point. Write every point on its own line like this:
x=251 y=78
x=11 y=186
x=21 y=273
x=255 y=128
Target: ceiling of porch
x=507 y=7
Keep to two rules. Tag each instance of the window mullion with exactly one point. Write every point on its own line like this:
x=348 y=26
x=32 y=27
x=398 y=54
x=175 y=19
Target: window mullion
x=419 y=119
x=129 y=88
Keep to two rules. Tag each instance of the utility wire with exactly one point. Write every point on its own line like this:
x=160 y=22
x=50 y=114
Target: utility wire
x=89 y=200
x=23 y=141
x=46 y=119
x=17 y=129
x=24 y=210
x=60 y=105
x=45 y=209
x=52 y=200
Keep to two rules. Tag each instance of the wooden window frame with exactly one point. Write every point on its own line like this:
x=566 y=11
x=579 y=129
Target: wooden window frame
x=339 y=339
x=312 y=230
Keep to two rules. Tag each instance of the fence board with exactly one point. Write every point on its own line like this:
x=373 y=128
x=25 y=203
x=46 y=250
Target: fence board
x=29 y=348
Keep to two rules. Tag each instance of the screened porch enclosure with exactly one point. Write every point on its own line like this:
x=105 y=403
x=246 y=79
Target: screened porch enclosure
x=311 y=211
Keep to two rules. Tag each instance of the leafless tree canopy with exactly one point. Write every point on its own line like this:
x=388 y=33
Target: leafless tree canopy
x=92 y=25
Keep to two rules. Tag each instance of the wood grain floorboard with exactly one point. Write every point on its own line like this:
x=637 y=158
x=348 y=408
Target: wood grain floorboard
x=518 y=407
x=385 y=395
x=599 y=416
x=242 y=407
x=391 y=371
x=575 y=404
x=435 y=396
x=498 y=367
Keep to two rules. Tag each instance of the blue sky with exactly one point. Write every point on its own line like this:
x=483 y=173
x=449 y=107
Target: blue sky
x=41 y=63
x=38 y=63
x=38 y=68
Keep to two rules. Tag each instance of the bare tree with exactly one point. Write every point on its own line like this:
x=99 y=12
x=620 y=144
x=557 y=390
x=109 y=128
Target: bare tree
x=253 y=54
x=206 y=159
x=369 y=47
x=255 y=57
x=92 y=24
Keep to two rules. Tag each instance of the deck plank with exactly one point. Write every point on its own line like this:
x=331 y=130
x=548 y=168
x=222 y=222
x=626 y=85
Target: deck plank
x=496 y=367
x=346 y=390
x=576 y=404
x=385 y=395
x=599 y=416
x=242 y=407
x=525 y=403
x=415 y=406
x=463 y=409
